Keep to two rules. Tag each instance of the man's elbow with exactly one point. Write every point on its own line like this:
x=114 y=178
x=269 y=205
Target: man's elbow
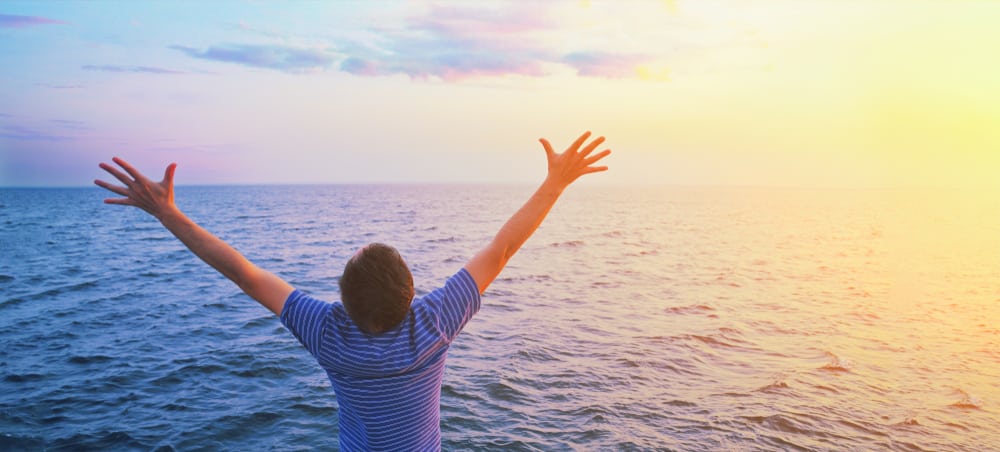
x=504 y=256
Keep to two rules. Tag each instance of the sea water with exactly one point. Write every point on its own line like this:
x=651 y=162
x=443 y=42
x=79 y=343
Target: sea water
x=634 y=319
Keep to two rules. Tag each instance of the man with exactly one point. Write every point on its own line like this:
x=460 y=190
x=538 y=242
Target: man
x=383 y=351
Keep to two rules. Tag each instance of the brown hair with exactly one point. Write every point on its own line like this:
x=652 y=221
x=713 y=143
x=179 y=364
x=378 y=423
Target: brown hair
x=377 y=288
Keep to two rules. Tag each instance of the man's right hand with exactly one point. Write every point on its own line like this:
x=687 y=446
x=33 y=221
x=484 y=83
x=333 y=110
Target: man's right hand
x=157 y=198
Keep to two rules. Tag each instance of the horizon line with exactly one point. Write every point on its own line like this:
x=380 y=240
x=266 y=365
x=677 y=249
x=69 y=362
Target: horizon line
x=532 y=184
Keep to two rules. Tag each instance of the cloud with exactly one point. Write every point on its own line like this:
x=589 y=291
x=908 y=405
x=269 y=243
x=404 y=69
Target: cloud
x=458 y=42
x=465 y=21
x=453 y=43
x=70 y=124
x=603 y=64
x=12 y=21
x=279 y=57
x=449 y=60
x=58 y=86
x=26 y=134
x=139 y=69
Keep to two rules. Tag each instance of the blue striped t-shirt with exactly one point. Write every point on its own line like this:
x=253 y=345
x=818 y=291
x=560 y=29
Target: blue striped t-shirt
x=388 y=385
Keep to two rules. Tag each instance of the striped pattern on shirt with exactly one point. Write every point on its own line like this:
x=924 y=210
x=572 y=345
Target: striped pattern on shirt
x=388 y=385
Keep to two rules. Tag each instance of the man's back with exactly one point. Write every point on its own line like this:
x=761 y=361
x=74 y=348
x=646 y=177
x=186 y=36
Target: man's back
x=388 y=385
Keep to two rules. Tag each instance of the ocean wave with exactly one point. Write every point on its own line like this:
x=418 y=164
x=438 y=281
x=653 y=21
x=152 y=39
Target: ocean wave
x=67 y=288
x=265 y=372
x=908 y=422
x=13 y=442
x=680 y=403
x=967 y=401
x=89 y=359
x=12 y=301
x=313 y=410
x=660 y=343
x=784 y=422
x=777 y=385
x=536 y=354
x=23 y=378
x=689 y=309
x=503 y=392
x=257 y=323
x=103 y=440
x=836 y=364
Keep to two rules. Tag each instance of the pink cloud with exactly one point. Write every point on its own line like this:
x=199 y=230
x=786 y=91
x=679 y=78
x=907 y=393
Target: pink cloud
x=13 y=21
x=464 y=21
x=458 y=42
x=602 y=64
x=454 y=43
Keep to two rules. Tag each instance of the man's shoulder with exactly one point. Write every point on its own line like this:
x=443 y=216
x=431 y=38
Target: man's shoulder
x=301 y=304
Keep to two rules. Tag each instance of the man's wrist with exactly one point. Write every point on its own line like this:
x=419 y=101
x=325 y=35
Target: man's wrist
x=552 y=186
x=170 y=214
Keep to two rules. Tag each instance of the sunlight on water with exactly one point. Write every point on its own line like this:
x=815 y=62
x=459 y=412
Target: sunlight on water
x=884 y=301
x=655 y=318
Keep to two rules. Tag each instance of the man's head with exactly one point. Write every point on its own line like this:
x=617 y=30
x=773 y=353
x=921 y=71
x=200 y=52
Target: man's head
x=377 y=288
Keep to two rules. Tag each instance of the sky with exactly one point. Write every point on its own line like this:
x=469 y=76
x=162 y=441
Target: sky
x=804 y=93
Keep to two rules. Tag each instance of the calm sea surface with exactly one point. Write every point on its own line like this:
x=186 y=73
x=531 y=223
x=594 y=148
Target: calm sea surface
x=635 y=319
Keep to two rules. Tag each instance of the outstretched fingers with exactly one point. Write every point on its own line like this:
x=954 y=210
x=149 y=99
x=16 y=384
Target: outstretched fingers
x=590 y=147
x=129 y=169
x=126 y=201
x=139 y=191
x=594 y=158
x=120 y=201
x=587 y=162
x=118 y=174
x=113 y=188
x=579 y=141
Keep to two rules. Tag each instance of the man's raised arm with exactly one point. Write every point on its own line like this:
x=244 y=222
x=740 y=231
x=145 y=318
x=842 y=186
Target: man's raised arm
x=564 y=168
x=157 y=199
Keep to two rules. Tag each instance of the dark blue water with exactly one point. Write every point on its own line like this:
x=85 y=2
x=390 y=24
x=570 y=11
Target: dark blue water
x=636 y=319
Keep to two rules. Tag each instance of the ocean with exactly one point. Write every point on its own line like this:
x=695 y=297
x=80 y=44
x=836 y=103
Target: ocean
x=658 y=318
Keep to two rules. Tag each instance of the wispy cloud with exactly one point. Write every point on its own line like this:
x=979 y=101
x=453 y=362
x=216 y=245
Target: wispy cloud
x=59 y=86
x=246 y=27
x=455 y=43
x=604 y=64
x=13 y=21
x=279 y=57
x=15 y=132
x=449 y=61
x=468 y=21
x=139 y=69
x=70 y=124
x=452 y=43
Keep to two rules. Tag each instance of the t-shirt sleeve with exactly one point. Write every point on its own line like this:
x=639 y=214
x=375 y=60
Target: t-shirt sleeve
x=306 y=318
x=454 y=304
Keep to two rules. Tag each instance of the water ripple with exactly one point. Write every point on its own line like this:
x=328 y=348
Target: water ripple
x=692 y=319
